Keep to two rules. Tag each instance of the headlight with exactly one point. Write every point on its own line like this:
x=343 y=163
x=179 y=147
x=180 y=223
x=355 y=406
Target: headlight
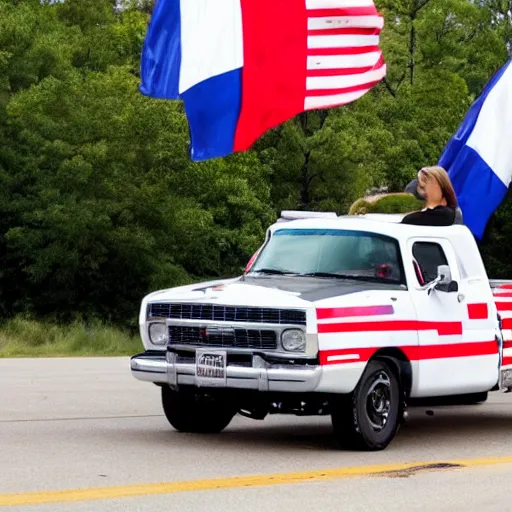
x=293 y=340
x=158 y=333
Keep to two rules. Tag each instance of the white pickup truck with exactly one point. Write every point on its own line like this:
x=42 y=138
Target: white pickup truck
x=358 y=317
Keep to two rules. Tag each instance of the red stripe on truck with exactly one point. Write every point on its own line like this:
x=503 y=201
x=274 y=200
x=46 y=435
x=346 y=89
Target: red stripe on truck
x=506 y=323
x=478 y=311
x=324 y=313
x=504 y=306
x=413 y=353
x=507 y=360
x=443 y=328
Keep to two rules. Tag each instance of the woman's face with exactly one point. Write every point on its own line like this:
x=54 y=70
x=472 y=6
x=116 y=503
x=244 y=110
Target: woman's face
x=430 y=188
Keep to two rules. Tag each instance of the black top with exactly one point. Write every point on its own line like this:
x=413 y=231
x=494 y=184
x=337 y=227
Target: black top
x=438 y=216
x=412 y=188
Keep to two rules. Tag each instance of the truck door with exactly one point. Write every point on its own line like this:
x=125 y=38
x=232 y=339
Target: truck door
x=481 y=324
x=451 y=357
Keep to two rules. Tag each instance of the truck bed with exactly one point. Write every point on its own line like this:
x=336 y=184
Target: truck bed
x=502 y=291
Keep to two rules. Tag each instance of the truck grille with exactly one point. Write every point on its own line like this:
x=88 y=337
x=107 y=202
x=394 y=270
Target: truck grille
x=227 y=313
x=236 y=338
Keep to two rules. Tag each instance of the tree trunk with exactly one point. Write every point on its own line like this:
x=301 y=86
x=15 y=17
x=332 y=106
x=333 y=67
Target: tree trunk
x=305 y=183
x=305 y=177
x=412 y=49
x=418 y=5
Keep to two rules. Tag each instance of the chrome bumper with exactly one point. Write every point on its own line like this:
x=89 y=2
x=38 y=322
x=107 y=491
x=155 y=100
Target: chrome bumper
x=261 y=376
x=149 y=367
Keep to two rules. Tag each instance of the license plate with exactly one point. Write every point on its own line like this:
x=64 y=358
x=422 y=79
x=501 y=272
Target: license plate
x=506 y=379
x=211 y=367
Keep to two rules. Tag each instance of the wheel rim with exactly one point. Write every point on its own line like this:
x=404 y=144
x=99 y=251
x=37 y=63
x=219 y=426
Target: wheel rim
x=378 y=401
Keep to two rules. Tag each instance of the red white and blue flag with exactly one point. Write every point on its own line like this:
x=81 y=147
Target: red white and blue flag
x=243 y=67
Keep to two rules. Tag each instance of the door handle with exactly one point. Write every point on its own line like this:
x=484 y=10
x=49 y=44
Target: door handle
x=460 y=297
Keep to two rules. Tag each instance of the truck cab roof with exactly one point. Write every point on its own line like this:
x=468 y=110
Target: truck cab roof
x=385 y=224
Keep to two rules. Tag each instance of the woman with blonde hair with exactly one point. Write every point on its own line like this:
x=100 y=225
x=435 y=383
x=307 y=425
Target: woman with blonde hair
x=435 y=186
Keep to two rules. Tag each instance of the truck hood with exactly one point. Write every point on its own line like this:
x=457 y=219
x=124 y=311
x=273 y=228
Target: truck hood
x=270 y=291
x=230 y=292
x=314 y=289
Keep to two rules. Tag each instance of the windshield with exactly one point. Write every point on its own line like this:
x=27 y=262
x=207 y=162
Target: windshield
x=331 y=253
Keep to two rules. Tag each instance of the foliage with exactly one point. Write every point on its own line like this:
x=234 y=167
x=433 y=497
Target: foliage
x=100 y=204
x=388 y=203
x=21 y=336
x=496 y=243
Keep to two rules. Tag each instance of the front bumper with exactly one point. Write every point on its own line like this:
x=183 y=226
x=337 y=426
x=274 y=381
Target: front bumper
x=149 y=367
x=169 y=368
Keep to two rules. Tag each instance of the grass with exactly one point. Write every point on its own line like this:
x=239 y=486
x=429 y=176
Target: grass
x=23 y=337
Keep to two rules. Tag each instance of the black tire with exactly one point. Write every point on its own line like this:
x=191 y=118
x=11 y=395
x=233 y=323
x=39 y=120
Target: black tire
x=192 y=410
x=369 y=418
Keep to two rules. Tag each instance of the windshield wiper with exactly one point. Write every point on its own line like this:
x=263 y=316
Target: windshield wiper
x=273 y=271
x=355 y=277
x=326 y=274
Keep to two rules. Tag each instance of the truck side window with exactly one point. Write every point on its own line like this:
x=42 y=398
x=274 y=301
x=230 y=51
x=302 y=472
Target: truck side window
x=429 y=256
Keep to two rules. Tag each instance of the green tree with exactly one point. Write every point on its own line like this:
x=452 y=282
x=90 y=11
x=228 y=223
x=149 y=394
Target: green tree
x=112 y=206
x=99 y=201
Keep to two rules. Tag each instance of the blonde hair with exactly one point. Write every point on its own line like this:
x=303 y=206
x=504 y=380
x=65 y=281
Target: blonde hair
x=444 y=182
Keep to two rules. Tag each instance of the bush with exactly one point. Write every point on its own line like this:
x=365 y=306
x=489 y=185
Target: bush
x=389 y=203
x=23 y=336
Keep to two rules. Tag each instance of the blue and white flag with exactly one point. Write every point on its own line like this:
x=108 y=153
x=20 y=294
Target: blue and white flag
x=478 y=158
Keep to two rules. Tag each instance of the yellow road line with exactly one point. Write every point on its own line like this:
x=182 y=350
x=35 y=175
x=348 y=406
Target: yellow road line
x=103 y=493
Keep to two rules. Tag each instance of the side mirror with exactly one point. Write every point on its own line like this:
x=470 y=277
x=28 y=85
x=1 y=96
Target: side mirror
x=446 y=283
x=444 y=275
x=453 y=286
x=443 y=282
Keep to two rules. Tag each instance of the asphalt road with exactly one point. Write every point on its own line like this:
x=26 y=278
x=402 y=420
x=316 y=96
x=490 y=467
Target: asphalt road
x=86 y=428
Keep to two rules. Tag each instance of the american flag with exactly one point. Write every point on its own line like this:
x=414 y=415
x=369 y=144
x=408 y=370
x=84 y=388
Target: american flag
x=344 y=60
x=243 y=67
